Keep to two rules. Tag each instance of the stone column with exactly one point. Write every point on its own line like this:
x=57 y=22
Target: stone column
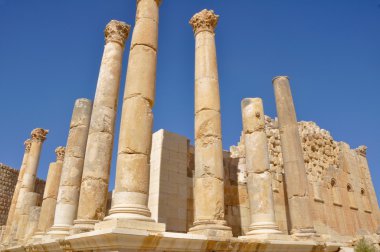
x=33 y=220
x=301 y=223
x=50 y=194
x=68 y=192
x=97 y=163
x=29 y=179
x=259 y=182
x=11 y=214
x=130 y=197
x=30 y=201
x=209 y=172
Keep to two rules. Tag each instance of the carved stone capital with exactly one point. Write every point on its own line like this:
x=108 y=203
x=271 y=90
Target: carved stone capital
x=60 y=153
x=27 y=143
x=117 y=31
x=205 y=20
x=362 y=150
x=39 y=134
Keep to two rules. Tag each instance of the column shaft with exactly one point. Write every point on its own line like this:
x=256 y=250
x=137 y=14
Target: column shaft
x=29 y=179
x=301 y=222
x=71 y=176
x=97 y=163
x=51 y=192
x=12 y=216
x=259 y=182
x=130 y=197
x=209 y=171
x=33 y=220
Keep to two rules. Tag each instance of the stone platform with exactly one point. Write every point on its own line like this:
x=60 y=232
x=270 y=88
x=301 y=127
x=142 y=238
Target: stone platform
x=123 y=239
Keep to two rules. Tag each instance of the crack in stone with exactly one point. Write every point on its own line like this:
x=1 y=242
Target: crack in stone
x=134 y=95
x=143 y=44
x=130 y=151
x=206 y=109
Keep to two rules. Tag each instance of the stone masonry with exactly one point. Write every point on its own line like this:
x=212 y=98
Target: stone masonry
x=286 y=186
x=8 y=180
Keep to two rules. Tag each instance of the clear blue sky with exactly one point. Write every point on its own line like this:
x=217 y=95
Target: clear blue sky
x=50 y=53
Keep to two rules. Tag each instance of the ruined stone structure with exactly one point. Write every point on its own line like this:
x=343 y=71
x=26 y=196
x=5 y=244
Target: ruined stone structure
x=8 y=182
x=286 y=185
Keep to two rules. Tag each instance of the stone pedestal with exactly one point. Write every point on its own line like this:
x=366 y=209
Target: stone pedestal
x=209 y=173
x=50 y=194
x=12 y=217
x=38 y=136
x=68 y=193
x=130 y=197
x=257 y=162
x=97 y=163
x=301 y=223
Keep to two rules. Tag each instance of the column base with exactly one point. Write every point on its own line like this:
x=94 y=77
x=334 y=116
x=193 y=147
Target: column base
x=59 y=232
x=130 y=212
x=211 y=228
x=82 y=226
x=37 y=237
x=131 y=224
x=263 y=228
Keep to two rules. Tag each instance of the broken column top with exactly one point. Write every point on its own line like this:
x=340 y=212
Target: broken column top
x=116 y=31
x=280 y=77
x=253 y=115
x=205 y=20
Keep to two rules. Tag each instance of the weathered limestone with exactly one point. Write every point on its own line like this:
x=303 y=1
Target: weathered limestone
x=301 y=223
x=259 y=182
x=97 y=163
x=130 y=197
x=11 y=214
x=50 y=194
x=30 y=201
x=33 y=220
x=29 y=178
x=209 y=173
x=68 y=193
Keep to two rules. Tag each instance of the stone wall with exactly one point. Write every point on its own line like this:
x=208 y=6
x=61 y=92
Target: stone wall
x=341 y=192
x=8 y=180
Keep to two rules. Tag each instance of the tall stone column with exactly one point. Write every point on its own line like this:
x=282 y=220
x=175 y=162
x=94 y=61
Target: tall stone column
x=130 y=197
x=209 y=172
x=301 y=223
x=259 y=182
x=28 y=181
x=11 y=214
x=97 y=163
x=50 y=194
x=68 y=192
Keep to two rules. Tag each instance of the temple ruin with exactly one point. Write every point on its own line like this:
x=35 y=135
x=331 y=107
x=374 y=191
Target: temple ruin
x=287 y=185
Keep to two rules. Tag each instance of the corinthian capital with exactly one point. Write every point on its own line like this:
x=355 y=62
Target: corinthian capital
x=39 y=134
x=205 y=20
x=27 y=144
x=117 y=31
x=60 y=153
